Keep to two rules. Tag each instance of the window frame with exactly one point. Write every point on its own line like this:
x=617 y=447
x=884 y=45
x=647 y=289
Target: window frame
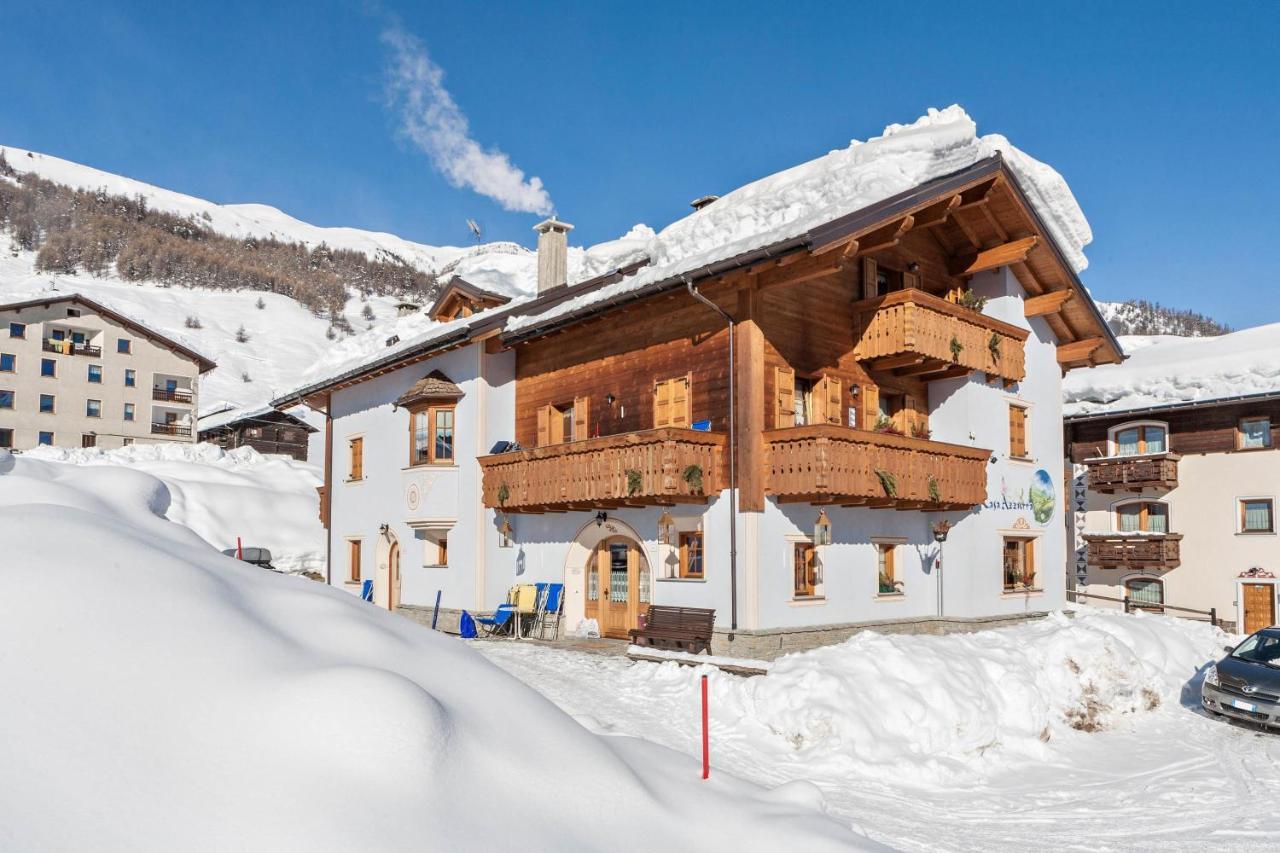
x=53 y=404
x=355 y=458
x=1144 y=515
x=688 y=551
x=13 y=398
x=6 y=433
x=130 y=412
x=40 y=434
x=430 y=408
x=1113 y=444
x=88 y=408
x=124 y=346
x=49 y=361
x=442 y=551
x=22 y=330
x=130 y=378
x=355 y=559
x=89 y=374
x=1240 y=433
x=1027 y=546
x=1241 y=504
x=13 y=362
x=1024 y=412
x=1149 y=608
x=813 y=571
x=887 y=556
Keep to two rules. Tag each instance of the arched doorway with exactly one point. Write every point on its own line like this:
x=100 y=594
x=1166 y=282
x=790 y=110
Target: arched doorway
x=386 y=577
x=617 y=586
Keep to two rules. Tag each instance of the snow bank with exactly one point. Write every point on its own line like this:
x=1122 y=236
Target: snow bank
x=791 y=202
x=268 y=501
x=1163 y=369
x=163 y=697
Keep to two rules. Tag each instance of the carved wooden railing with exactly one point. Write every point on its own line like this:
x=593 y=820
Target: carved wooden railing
x=1138 y=550
x=659 y=466
x=829 y=463
x=1133 y=473
x=169 y=429
x=943 y=337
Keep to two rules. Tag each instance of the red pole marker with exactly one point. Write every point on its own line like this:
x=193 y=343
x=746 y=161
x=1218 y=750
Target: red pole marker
x=239 y=550
x=706 y=741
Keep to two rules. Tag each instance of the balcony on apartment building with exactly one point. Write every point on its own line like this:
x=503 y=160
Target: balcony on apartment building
x=1109 y=474
x=69 y=345
x=1134 y=550
x=169 y=390
x=653 y=467
x=913 y=333
x=828 y=463
x=171 y=428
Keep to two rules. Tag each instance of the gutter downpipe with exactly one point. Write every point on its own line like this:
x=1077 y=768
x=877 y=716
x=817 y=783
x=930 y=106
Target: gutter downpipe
x=733 y=460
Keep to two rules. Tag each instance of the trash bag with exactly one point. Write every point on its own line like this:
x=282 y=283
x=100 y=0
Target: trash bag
x=467 y=626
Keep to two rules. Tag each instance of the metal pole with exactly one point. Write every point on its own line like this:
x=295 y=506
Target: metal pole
x=706 y=739
x=733 y=461
x=435 y=614
x=940 y=547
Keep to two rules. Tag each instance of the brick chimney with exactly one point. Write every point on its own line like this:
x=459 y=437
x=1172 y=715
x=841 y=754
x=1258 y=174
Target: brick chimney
x=553 y=253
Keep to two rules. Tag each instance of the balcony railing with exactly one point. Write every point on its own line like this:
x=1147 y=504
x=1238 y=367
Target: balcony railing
x=1136 y=550
x=71 y=348
x=1133 y=473
x=835 y=464
x=169 y=429
x=914 y=333
x=323 y=494
x=178 y=395
x=654 y=467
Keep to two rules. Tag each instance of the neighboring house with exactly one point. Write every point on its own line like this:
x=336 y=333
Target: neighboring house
x=587 y=435
x=460 y=298
x=264 y=429
x=1174 y=504
x=76 y=373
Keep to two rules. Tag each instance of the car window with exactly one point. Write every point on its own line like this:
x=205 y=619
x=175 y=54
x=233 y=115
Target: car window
x=1263 y=648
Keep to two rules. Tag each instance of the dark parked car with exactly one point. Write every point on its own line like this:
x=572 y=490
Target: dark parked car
x=1245 y=685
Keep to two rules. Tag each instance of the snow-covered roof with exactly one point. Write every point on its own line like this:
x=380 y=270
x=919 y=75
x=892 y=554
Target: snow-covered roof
x=1166 y=370
x=235 y=414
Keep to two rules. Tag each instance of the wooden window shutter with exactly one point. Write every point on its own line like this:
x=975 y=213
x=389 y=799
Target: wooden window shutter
x=662 y=404
x=1017 y=431
x=784 y=379
x=544 y=426
x=912 y=280
x=833 y=400
x=816 y=405
x=581 y=419
x=870 y=406
x=917 y=415
x=680 y=402
x=869 y=274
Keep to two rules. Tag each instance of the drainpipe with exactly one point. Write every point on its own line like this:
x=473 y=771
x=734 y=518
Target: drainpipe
x=733 y=462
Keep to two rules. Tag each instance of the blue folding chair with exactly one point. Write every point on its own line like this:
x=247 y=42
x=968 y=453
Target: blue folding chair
x=552 y=605
x=366 y=590
x=500 y=621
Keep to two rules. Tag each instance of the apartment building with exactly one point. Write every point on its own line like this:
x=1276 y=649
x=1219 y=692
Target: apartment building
x=75 y=373
x=855 y=423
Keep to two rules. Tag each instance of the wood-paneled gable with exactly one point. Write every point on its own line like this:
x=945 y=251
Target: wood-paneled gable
x=1208 y=429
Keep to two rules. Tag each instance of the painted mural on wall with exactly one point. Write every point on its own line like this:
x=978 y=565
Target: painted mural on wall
x=1037 y=497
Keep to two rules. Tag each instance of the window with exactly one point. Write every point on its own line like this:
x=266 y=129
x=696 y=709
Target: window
x=563 y=422
x=8 y=362
x=89 y=439
x=124 y=346
x=6 y=438
x=431 y=431
x=886 y=569
x=691 y=555
x=6 y=399
x=45 y=438
x=805 y=565
x=353 y=560
x=48 y=367
x=442 y=552
x=1254 y=433
x=1145 y=593
x=672 y=403
x=17 y=330
x=1018 y=431
x=1140 y=439
x=128 y=411
x=46 y=404
x=93 y=408
x=1142 y=517
x=130 y=378
x=127 y=441
x=1257 y=515
x=73 y=312
x=356 y=471
x=1019 y=564
x=95 y=373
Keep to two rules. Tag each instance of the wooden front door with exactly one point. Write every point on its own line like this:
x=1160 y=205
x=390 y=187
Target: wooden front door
x=393 y=576
x=1259 y=606
x=617 y=581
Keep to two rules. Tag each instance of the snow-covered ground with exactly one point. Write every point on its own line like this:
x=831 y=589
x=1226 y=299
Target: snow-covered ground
x=1063 y=734
x=267 y=501
x=159 y=696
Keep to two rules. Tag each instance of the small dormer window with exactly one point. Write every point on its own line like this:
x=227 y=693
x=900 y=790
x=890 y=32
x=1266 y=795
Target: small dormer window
x=73 y=312
x=1140 y=439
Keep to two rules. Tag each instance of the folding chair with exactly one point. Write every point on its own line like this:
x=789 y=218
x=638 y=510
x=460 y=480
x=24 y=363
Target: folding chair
x=552 y=608
x=366 y=590
x=501 y=620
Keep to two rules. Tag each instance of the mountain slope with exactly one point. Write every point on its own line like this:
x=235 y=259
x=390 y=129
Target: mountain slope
x=1140 y=317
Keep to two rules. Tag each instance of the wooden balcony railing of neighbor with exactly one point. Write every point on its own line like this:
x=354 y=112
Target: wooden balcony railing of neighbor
x=169 y=429
x=179 y=395
x=653 y=467
x=1137 y=550
x=914 y=333
x=1133 y=473
x=70 y=348
x=835 y=464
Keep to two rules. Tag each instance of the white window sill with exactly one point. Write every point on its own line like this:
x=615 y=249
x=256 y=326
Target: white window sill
x=811 y=601
x=1021 y=593
x=681 y=580
x=436 y=566
x=1023 y=460
x=889 y=596
x=352 y=482
x=353 y=584
x=431 y=466
x=1256 y=533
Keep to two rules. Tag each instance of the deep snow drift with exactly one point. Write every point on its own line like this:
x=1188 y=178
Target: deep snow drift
x=159 y=696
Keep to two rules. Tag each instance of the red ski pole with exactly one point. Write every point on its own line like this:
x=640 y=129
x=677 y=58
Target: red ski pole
x=706 y=741
x=239 y=550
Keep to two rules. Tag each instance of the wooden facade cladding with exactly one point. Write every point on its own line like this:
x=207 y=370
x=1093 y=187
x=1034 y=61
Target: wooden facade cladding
x=1206 y=428
x=648 y=468
x=1135 y=550
x=833 y=464
x=911 y=332
x=1133 y=474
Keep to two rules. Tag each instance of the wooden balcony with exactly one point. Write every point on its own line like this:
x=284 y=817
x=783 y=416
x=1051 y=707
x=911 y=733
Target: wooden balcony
x=158 y=428
x=654 y=467
x=913 y=333
x=70 y=348
x=835 y=464
x=1135 y=550
x=1133 y=473
x=178 y=395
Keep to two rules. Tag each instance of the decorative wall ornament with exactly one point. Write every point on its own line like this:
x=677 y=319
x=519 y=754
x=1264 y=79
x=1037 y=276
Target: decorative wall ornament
x=1021 y=524
x=413 y=496
x=1257 y=572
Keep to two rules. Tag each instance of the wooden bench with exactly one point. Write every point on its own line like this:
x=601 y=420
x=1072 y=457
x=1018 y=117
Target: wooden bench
x=680 y=629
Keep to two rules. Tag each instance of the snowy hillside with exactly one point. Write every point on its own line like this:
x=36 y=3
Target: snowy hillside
x=1140 y=317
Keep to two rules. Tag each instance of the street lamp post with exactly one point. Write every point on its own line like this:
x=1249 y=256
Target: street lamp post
x=940 y=531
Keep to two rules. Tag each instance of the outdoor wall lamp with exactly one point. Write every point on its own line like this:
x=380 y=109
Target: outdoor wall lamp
x=610 y=399
x=822 y=529
x=666 y=525
x=505 y=533
x=383 y=528
x=940 y=531
x=601 y=517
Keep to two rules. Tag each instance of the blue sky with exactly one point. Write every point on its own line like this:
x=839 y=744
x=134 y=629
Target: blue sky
x=1164 y=117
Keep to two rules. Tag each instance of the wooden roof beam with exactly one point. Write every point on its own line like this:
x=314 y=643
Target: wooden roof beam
x=978 y=195
x=932 y=365
x=887 y=236
x=1013 y=252
x=893 y=362
x=813 y=266
x=1078 y=351
x=936 y=214
x=1046 y=303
